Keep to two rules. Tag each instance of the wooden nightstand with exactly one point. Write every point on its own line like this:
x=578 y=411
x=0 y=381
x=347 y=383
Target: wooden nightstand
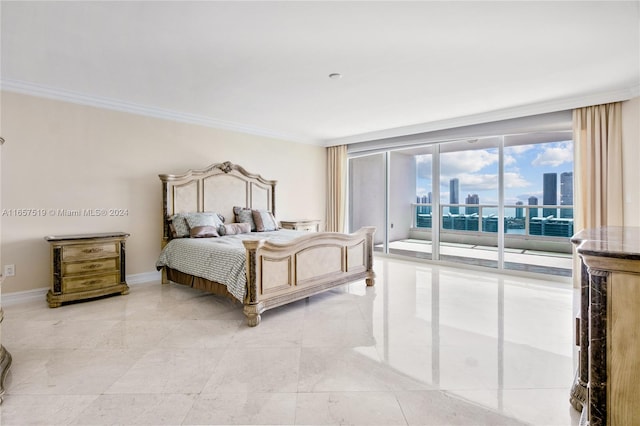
x=85 y=266
x=301 y=225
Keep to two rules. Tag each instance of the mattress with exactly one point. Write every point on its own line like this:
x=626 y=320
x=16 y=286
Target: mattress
x=220 y=259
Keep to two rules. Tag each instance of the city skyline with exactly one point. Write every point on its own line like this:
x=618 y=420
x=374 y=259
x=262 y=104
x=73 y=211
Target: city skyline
x=524 y=168
x=550 y=193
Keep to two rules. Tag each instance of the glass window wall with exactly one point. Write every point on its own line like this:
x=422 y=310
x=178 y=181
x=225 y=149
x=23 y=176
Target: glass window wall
x=502 y=202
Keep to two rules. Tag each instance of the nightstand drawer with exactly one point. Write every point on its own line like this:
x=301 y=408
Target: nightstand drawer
x=90 y=251
x=84 y=283
x=99 y=265
x=312 y=228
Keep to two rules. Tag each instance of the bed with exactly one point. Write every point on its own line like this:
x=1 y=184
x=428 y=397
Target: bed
x=277 y=267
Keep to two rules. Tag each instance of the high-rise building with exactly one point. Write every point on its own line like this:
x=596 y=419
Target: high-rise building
x=533 y=201
x=566 y=194
x=550 y=194
x=472 y=199
x=519 y=212
x=425 y=199
x=454 y=191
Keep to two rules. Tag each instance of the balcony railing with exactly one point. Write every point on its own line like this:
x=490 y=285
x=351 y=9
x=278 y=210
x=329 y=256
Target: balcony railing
x=555 y=221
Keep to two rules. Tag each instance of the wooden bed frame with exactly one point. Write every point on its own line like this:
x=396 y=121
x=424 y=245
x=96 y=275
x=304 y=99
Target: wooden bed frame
x=276 y=273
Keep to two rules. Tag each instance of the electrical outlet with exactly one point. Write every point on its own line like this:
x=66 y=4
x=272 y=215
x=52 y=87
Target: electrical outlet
x=9 y=270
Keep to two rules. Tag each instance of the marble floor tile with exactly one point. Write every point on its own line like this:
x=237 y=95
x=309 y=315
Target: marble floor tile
x=256 y=370
x=168 y=371
x=350 y=369
x=23 y=410
x=544 y=407
x=201 y=334
x=441 y=408
x=336 y=332
x=273 y=332
x=243 y=408
x=427 y=345
x=73 y=371
x=136 y=409
x=349 y=408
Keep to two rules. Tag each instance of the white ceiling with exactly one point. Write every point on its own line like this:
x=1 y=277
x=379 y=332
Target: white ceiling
x=262 y=67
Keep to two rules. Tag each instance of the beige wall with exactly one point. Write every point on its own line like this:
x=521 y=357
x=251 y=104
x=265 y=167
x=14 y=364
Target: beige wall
x=631 y=161
x=60 y=155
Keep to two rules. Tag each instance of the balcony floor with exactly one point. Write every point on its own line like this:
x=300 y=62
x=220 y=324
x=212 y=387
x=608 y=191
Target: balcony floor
x=541 y=262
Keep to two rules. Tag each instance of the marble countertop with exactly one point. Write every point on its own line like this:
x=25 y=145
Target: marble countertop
x=610 y=241
x=85 y=236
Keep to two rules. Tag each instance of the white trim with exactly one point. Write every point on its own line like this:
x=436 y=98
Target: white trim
x=497 y=115
x=33 y=89
x=40 y=294
x=562 y=104
x=144 y=277
x=25 y=296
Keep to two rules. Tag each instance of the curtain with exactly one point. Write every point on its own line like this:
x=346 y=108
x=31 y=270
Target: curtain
x=597 y=135
x=336 y=187
x=598 y=191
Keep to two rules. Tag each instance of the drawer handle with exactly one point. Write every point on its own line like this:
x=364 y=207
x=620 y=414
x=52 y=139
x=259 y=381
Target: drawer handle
x=92 y=266
x=93 y=250
x=93 y=282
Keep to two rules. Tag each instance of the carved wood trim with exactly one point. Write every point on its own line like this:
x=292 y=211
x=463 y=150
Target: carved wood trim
x=198 y=176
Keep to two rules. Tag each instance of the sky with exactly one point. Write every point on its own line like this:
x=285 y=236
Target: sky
x=477 y=171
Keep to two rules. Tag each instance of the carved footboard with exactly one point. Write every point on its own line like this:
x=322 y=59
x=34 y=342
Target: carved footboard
x=281 y=273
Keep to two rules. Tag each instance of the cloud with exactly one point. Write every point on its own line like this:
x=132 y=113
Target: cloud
x=472 y=183
x=515 y=180
x=509 y=160
x=458 y=163
x=422 y=191
x=423 y=166
x=554 y=155
x=454 y=164
x=519 y=149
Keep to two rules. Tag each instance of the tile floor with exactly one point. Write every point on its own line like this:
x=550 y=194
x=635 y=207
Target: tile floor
x=428 y=345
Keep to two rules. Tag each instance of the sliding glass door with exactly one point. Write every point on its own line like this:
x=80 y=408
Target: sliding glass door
x=502 y=202
x=470 y=219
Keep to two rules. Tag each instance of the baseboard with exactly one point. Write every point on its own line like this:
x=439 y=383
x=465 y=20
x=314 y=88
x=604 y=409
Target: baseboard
x=41 y=293
x=144 y=277
x=25 y=296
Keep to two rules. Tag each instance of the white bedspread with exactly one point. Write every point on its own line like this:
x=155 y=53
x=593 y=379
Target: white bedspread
x=221 y=259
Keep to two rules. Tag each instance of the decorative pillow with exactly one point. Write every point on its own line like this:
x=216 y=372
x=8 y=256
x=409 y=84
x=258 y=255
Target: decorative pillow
x=264 y=220
x=204 y=232
x=203 y=219
x=244 y=215
x=182 y=222
x=179 y=226
x=235 y=228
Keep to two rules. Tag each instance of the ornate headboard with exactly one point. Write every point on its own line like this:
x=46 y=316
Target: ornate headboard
x=217 y=188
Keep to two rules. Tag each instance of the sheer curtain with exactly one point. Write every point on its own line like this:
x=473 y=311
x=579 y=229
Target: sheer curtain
x=598 y=192
x=336 y=187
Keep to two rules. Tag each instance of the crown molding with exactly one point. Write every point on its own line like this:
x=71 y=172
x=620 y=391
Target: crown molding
x=33 y=89
x=496 y=115
x=561 y=104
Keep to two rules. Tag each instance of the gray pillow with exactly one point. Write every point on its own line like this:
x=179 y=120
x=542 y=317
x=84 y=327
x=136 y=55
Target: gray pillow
x=203 y=219
x=264 y=220
x=235 y=228
x=204 y=232
x=244 y=215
